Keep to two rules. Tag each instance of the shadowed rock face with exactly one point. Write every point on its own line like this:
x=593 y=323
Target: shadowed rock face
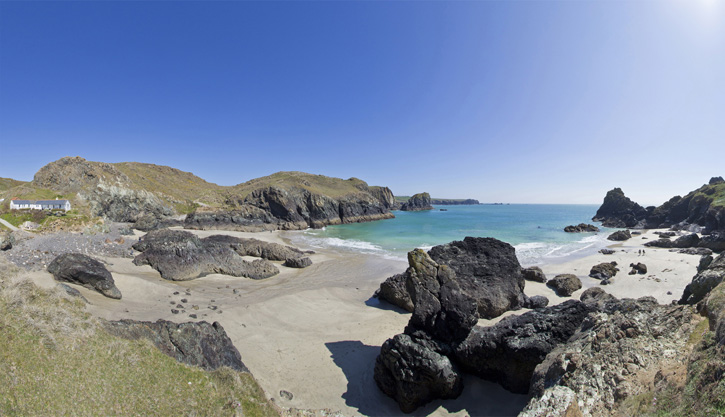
x=180 y=256
x=581 y=228
x=418 y=202
x=603 y=270
x=619 y=211
x=704 y=281
x=199 y=344
x=83 y=270
x=620 y=235
x=535 y=274
x=565 y=284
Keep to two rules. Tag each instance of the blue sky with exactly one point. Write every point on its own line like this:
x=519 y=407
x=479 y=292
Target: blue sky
x=511 y=101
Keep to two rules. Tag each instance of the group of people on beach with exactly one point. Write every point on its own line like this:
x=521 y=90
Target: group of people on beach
x=641 y=252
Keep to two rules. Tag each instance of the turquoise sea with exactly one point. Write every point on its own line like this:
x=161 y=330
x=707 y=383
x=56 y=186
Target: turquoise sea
x=535 y=230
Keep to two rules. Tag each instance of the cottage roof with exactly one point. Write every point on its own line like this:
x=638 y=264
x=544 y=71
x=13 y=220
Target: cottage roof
x=51 y=201
x=23 y=201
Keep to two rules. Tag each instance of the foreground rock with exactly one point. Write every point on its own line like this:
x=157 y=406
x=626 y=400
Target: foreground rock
x=7 y=240
x=486 y=269
x=708 y=277
x=581 y=227
x=605 y=270
x=179 y=255
x=534 y=273
x=418 y=202
x=620 y=235
x=619 y=211
x=83 y=270
x=613 y=350
x=198 y=344
x=565 y=284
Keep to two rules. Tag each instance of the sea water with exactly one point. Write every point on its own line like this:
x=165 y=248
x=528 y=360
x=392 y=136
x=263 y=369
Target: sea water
x=535 y=230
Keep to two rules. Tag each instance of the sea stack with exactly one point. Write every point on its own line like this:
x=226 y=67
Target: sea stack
x=418 y=202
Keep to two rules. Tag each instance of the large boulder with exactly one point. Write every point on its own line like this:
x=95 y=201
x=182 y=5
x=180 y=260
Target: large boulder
x=534 y=273
x=714 y=241
x=487 y=270
x=638 y=268
x=704 y=281
x=605 y=270
x=688 y=241
x=199 y=344
x=418 y=202
x=581 y=227
x=620 y=235
x=7 y=240
x=565 y=284
x=509 y=351
x=260 y=249
x=619 y=211
x=413 y=375
x=83 y=270
x=394 y=291
x=179 y=255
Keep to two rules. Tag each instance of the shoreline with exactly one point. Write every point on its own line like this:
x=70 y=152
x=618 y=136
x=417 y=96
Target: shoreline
x=316 y=332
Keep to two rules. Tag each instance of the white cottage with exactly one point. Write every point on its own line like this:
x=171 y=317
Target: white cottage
x=40 y=205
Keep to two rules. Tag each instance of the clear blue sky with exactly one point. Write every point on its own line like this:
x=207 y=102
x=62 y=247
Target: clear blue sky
x=512 y=101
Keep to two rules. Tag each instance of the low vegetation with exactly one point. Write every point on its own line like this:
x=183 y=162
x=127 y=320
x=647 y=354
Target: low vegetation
x=55 y=359
x=319 y=184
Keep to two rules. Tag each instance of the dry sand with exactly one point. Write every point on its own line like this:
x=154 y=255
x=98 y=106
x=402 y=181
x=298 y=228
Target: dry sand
x=316 y=332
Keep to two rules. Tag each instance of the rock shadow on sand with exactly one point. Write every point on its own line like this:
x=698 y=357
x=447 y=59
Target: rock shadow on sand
x=376 y=302
x=357 y=362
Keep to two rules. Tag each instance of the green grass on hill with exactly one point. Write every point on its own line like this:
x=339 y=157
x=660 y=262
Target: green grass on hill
x=55 y=359
x=7 y=183
x=319 y=184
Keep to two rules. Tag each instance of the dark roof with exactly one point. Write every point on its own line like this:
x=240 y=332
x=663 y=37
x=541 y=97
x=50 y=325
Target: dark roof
x=51 y=201
x=22 y=201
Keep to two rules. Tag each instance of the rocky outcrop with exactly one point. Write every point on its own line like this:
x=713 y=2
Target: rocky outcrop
x=564 y=285
x=537 y=301
x=198 y=344
x=83 y=270
x=714 y=309
x=581 y=227
x=179 y=255
x=298 y=262
x=418 y=202
x=450 y=202
x=509 y=351
x=604 y=270
x=7 y=240
x=687 y=241
x=638 y=268
x=487 y=270
x=257 y=248
x=615 y=346
x=606 y=251
x=704 y=281
x=619 y=211
x=275 y=208
x=620 y=235
x=413 y=367
x=534 y=273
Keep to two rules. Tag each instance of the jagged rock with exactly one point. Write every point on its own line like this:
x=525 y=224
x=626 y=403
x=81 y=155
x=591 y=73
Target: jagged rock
x=534 y=273
x=581 y=227
x=418 y=202
x=715 y=312
x=621 y=338
x=716 y=180
x=198 y=344
x=688 y=241
x=714 y=241
x=605 y=270
x=595 y=294
x=558 y=401
x=565 y=284
x=509 y=351
x=7 y=240
x=705 y=261
x=704 y=281
x=394 y=291
x=619 y=211
x=413 y=374
x=638 y=268
x=257 y=248
x=298 y=262
x=537 y=301
x=487 y=270
x=620 y=235
x=179 y=255
x=149 y=222
x=83 y=270
x=606 y=251
x=694 y=251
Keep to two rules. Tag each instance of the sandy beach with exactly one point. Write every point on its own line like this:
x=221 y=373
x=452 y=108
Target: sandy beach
x=316 y=332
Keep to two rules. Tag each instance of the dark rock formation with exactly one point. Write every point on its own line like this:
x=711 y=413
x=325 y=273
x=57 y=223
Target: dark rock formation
x=581 y=227
x=509 y=351
x=665 y=235
x=149 y=222
x=7 y=240
x=298 y=262
x=274 y=208
x=487 y=270
x=687 y=241
x=613 y=347
x=534 y=273
x=83 y=270
x=638 y=268
x=693 y=251
x=257 y=248
x=714 y=309
x=179 y=255
x=705 y=261
x=418 y=202
x=565 y=284
x=450 y=202
x=198 y=344
x=704 y=281
x=620 y=235
x=714 y=241
x=606 y=251
x=394 y=291
x=619 y=211
x=413 y=374
x=604 y=270
x=537 y=301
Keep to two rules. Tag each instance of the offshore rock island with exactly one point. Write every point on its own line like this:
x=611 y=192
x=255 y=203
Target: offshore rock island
x=156 y=270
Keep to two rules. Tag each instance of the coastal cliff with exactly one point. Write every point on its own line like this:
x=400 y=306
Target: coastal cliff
x=704 y=207
x=417 y=202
